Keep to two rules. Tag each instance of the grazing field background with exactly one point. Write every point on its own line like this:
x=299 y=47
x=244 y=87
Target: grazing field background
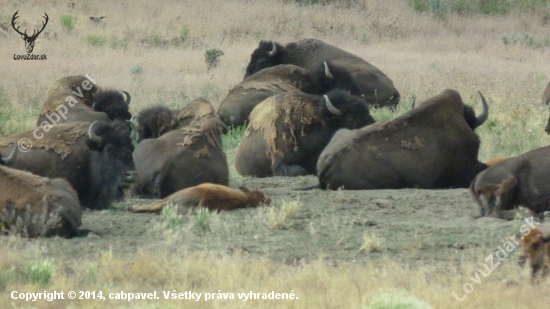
x=365 y=249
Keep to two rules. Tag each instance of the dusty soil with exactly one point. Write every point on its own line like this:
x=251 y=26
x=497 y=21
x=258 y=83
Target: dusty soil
x=415 y=225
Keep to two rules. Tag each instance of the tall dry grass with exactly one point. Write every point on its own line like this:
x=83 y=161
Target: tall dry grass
x=422 y=54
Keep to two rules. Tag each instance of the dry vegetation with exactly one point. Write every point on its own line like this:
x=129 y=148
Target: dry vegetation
x=157 y=53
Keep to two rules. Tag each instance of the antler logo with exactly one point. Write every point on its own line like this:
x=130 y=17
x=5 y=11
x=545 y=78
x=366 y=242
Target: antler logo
x=29 y=40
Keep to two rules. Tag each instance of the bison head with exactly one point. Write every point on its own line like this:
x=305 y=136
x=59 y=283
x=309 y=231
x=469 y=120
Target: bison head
x=268 y=54
x=344 y=110
x=155 y=121
x=110 y=159
x=113 y=104
x=533 y=247
x=255 y=197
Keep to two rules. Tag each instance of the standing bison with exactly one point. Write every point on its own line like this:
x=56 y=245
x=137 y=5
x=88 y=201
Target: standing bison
x=77 y=98
x=93 y=158
x=187 y=152
x=35 y=206
x=521 y=180
x=376 y=87
x=241 y=100
x=287 y=132
x=431 y=146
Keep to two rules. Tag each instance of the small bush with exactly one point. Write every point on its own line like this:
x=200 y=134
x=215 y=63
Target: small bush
x=68 y=22
x=212 y=57
x=275 y=217
x=184 y=32
x=136 y=69
x=171 y=216
x=523 y=38
x=372 y=243
x=96 y=40
x=204 y=218
x=156 y=39
x=40 y=273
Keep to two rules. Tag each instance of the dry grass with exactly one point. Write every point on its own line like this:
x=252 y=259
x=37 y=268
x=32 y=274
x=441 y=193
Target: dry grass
x=149 y=53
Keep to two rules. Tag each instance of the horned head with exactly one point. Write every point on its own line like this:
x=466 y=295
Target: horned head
x=29 y=40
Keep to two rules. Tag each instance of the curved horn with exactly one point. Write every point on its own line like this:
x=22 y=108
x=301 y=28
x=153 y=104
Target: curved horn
x=331 y=108
x=128 y=98
x=413 y=103
x=328 y=74
x=95 y=138
x=484 y=114
x=273 y=50
x=93 y=106
x=134 y=130
x=7 y=161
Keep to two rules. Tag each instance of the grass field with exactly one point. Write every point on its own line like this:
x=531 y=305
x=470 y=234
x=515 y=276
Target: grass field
x=166 y=54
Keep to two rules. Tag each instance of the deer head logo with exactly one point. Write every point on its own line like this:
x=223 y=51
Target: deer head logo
x=29 y=40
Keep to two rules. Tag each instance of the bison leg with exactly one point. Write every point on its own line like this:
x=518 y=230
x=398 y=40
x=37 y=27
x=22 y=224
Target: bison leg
x=152 y=207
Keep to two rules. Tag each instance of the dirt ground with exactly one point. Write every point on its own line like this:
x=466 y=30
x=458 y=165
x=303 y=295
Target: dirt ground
x=412 y=225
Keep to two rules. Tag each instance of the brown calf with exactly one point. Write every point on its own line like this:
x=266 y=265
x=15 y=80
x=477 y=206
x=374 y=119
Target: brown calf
x=207 y=195
x=535 y=248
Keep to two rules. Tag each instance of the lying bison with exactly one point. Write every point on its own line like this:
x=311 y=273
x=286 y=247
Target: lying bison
x=241 y=100
x=377 y=88
x=187 y=152
x=431 y=146
x=34 y=206
x=521 y=180
x=287 y=132
x=93 y=158
x=77 y=98
x=535 y=248
x=211 y=196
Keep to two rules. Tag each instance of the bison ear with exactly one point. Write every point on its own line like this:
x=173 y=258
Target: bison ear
x=93 y=145
x=244 y=189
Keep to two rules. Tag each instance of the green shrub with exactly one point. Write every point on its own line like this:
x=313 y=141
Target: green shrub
x=184 y=32
x=171 y=216
x=136 y=69
x=96 y=40
x=212 y=57
x=68 y=22
x=40 y=273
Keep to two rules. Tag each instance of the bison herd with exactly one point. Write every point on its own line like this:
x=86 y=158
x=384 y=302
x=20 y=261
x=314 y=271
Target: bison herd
x=306 y=107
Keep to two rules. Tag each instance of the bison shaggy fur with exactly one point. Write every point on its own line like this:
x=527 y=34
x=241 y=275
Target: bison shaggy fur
x=535 y=248
x=188 y=150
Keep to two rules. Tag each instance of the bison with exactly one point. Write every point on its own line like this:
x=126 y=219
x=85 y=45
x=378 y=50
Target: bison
x=431 y=146
x=287 y=132
x=35 y=206
x=211 y=196
x=78 y=98
x=377 y=88
x=187 y=152
x=93 y=158
x=241 y=100
x=535 y=248
x=520 y=180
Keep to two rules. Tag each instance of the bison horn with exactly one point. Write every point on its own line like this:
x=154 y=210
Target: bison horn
x=328 y=74
x=134 y=130
x=273 y=50
x=331 y=108
x=413 y=103
x=93 y=137
x=128 y=98
x=484 y=114
x=7 y=161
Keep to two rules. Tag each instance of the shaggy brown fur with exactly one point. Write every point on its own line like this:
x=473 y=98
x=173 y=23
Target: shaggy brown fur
x=35 y=206
x=210 y=196
x=535 y=248
x=188 y=154
x=63 y=88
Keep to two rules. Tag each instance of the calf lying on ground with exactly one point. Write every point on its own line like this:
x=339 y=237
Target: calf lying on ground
x=535 y=247
x=207 y=195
